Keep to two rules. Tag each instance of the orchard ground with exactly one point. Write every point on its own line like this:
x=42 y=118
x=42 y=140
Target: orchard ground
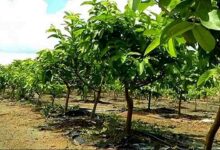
x=19 y=130
x=20 y=122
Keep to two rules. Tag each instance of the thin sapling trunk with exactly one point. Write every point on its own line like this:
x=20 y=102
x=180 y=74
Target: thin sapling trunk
x=130 y=104
x=97 y=98
x=67 y=98
x=149 y=100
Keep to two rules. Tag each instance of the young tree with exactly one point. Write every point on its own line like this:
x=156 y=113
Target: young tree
x=214 y=128
x=197 y=21
x=20 y=78
x=56 y=73
x=184 y=73
x=3 y=81
x=121 y=42
x=85 y=64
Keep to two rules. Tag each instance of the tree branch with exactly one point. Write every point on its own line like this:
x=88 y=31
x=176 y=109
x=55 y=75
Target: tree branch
x=139 y=83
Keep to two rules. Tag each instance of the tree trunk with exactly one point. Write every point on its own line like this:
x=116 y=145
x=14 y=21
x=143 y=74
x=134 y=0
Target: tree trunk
x=3 y=92
x=179 y=107
x=206 y=105
x=115 y=97
x=67 y=98
x=195 y=104
x=84 y=94
x=130 y=110
x=53 y=99
x=12 y=95
x=39 y=97
x=94 y=95
x=149 y=100
x=97 y=98
x=212 y=131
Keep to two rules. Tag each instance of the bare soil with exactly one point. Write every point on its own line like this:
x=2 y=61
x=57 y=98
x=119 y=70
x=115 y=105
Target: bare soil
x=18 y=130
x=19 y=123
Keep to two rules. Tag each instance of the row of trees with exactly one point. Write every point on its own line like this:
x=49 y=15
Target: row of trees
x=129 y=50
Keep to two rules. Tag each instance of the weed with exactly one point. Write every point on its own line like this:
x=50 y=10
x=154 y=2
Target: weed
x=48 y=109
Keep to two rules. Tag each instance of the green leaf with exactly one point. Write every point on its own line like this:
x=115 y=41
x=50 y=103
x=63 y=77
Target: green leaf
x=188 y=36
x=174 y=29
x=151 y=32
x=164 y=3
x=141 y=68
x=139 y=29
x=203 y=7
x=168 y=4
x=116 y=57
x=78 y=32
x=144 y=4
x=182 y=6
x=207 y=75
x=123 y=58
x=213 y=20
x=155 y=43
x=204 y=38
x=55 y=36
x=146 y=60
x=171 y=48
x=140 y=5
x=102 y=17
x=133 y=4
x=87 y=3
x=134 y=53
x=104 y=51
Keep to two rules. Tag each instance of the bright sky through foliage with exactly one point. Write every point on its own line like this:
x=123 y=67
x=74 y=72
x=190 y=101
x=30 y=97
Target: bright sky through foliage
x=23 y=25
x=55 y=5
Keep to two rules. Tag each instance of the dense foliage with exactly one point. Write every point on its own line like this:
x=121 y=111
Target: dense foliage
x=132 y=50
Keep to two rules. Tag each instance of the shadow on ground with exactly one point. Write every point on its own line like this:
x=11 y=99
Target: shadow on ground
x=168 y=113
x=107 y=131
x=90 y=101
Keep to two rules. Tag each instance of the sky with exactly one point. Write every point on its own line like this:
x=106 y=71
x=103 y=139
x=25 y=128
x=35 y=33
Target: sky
x=23 y=25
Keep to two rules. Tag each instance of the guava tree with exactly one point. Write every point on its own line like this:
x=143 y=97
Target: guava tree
x=55 y=73
x=184 y=73
x=11 y=77
x=38 y=84
x=81 y=46
x=3 y=82
x=149 y=92
x=214 y=128
x=121 y=42
x=20 y=77
x=201 y=24
x=197 y=21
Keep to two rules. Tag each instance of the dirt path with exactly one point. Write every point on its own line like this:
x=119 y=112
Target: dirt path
x=18 y=130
